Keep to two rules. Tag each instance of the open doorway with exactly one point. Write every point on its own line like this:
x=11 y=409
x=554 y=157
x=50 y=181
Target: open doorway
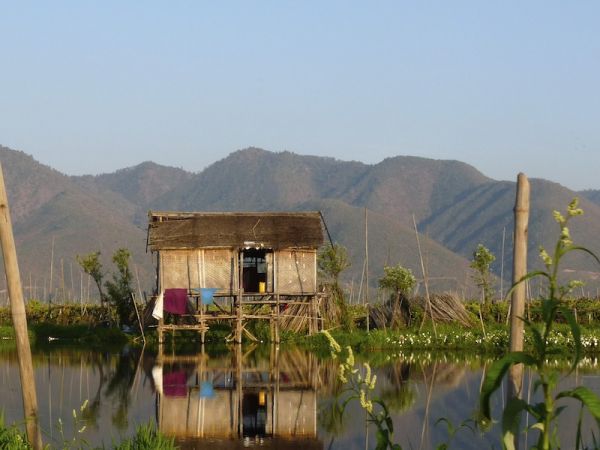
x=257 y=273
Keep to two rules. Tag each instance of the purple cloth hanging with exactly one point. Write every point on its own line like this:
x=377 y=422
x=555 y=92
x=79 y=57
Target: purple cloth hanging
x=175 y=384
x=176 y=300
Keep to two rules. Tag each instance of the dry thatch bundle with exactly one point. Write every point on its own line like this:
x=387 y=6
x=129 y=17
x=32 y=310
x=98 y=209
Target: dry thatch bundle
x=446 y=308
x=294 y=317
x=391 y=314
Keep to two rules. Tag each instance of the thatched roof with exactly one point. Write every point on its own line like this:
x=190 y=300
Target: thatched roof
x=276 y=230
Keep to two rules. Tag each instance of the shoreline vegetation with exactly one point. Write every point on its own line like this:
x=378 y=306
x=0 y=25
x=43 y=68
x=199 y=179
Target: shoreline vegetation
x=146 y=437
x=65 y=324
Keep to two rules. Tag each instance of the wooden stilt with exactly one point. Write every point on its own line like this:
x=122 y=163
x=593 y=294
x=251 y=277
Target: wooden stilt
x=161 y=324
x=238 y=301
x=277 y=316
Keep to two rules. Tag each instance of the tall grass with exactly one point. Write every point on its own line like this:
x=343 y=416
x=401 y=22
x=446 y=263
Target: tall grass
x=147 y=437
x=11 y=438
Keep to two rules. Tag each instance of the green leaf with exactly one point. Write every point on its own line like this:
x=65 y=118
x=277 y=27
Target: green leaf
x=559 y=410
x=538 y=411
x=578 y=435
x=538 y=343
x=576 y=332
x=382 y=440
x=585 y=396
x=538 y=426
x=548 y=310
x=536 y=385
x=511 y=421
x=528 y=276
x=583 y=249
x=389 y=423
x=494 y=376
x=449 y=425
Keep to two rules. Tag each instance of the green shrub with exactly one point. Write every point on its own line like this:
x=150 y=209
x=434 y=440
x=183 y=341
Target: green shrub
x=11 y=437
x=147 y=437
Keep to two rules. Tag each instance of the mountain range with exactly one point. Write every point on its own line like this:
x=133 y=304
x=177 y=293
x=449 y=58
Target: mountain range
x=453 y=205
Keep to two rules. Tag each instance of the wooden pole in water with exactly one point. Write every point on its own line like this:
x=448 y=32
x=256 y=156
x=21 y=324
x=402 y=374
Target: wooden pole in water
x=521 y=213
x=17 y=309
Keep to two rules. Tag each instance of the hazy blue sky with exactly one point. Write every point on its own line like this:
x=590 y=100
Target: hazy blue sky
x=90 y=87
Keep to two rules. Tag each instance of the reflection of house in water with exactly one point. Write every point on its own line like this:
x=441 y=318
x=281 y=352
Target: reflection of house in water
x=237 y=267
x=238 y=396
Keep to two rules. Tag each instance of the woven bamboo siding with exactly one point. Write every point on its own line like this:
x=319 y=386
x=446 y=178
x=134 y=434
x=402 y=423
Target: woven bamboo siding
x=179 y=269
x=200 y=417
x=197 y=268
x=296 y=414
x=296 y=272
x=220 y=269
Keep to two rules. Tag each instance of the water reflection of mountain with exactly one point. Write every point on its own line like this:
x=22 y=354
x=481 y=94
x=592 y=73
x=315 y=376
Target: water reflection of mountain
x=244 y=397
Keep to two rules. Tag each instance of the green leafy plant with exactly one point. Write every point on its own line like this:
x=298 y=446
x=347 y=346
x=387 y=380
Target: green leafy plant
x=91 y=265
x=332 y=260
x=76 y=441
x=118 y=295
x=147 y=437
x=360 y=386
x=546 y=412
x=453 y=430
x=119 y=289
x=400 y=281
x=11 y=438
x=482 y=260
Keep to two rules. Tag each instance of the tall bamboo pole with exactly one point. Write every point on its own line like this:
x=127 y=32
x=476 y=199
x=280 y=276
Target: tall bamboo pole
x=367 y=267
x=521 y=213
x=366 y=301
x=51 y=287
x=17 y=309
x=425 y=281
x=502 y=266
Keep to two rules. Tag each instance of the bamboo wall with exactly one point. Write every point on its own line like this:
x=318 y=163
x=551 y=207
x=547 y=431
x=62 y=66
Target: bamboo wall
x=198 y=268
x=294 y=270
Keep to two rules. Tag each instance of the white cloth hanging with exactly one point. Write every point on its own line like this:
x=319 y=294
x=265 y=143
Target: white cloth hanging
x=157 y=312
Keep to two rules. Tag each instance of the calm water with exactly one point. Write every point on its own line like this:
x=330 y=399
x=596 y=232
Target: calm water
x=254 y=397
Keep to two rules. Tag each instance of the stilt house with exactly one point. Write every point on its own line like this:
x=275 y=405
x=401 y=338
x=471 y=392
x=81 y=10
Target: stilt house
x=239 y=266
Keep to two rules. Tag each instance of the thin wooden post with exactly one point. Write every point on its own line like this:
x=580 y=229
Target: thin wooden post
x=17 y=308
x=502 y=266
x=425 y=281
x=277 y=318
x=366 y=257
x=139 y=319
x=521 y=213
x=51 y=287
x=240 y=294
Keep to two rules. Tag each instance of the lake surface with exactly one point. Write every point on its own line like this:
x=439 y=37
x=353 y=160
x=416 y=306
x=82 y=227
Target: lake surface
x=258 y=396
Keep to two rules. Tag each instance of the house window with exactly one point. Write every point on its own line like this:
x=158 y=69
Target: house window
x=256 y=271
